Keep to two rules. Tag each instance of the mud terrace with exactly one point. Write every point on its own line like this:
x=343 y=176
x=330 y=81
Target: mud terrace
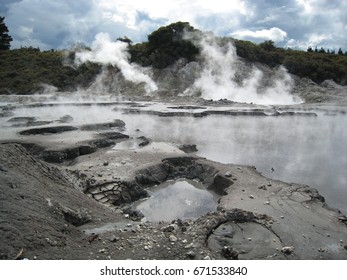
x=73 y=197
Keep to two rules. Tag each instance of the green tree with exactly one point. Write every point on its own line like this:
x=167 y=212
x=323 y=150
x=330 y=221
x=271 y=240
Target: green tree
x=322 y=50
x=165 y=46
x=268 y=45
x=5 y=39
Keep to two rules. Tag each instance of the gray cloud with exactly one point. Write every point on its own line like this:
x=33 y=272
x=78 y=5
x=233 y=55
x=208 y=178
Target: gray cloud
x=293 y=23
x=307 y=23
x=5 y=5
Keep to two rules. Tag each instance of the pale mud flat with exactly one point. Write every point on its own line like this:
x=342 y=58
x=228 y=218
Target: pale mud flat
x=83 y=205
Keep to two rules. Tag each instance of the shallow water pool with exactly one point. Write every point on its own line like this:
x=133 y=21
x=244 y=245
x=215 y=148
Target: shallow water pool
x=182 y=199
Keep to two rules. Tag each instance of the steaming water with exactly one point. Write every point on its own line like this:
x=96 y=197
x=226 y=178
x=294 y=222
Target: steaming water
x=184 y=199
x=309 y=150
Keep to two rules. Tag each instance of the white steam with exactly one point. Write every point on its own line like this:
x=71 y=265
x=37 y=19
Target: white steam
x=224 y=76
x=106 y=52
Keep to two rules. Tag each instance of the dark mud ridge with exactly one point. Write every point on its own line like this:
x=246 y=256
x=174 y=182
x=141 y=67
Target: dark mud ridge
x=60 y=129
x=68 y=154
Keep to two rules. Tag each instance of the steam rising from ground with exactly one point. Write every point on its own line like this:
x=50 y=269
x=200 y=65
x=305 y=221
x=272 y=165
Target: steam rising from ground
x=221 y=74
x=225 y=76
x=106 y=52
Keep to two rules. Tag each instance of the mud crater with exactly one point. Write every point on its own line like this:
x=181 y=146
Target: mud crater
x=174 y=179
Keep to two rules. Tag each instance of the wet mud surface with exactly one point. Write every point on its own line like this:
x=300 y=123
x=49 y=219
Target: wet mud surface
x=68 y=192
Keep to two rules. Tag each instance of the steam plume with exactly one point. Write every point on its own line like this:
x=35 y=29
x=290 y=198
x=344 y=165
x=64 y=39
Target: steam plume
x=106 y=52
x=223 y=77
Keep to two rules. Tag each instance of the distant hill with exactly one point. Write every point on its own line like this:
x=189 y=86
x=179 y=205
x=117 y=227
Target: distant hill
x=28 y=70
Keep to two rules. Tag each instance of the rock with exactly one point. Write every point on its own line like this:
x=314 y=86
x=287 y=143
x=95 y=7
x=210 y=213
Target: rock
x=191 y=254
x=32 y=123
x=66 y=119
x=262 y=187
x=228 y=174
x=103 y=143
x=188 y=148
x=134 y=214
x=173 y=238
x=114 y=239
x=22 y=119
x=251 y=196
x=191 y=245
x=47 y=130
x=114 y=135
x=343 y=219
x=86 y=149
x=230 y=253
x=105 y=163
x=220 y=183
x=144 y=141
x=103 y=126
x=76 y=218
x=287 y=250
x=207 y=258
x=54 y=156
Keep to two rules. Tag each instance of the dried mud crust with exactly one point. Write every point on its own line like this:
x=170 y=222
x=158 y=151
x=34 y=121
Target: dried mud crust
x=46 y=214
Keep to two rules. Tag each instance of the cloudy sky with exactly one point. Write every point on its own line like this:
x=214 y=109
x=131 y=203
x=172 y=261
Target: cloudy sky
x=61 y=23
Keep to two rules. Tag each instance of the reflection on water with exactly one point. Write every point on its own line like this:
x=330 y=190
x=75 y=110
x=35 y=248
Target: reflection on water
x=183 y=199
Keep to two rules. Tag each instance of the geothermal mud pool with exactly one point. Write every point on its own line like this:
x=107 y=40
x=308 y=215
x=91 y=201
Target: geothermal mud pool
x=121 y=179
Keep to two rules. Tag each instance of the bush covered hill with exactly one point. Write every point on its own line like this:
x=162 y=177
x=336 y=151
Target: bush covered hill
x=27 y=70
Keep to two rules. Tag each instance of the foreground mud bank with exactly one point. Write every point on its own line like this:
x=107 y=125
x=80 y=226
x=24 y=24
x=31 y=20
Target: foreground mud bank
x=85 y=210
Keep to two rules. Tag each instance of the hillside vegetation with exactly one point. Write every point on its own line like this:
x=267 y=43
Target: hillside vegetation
x=26 y=70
